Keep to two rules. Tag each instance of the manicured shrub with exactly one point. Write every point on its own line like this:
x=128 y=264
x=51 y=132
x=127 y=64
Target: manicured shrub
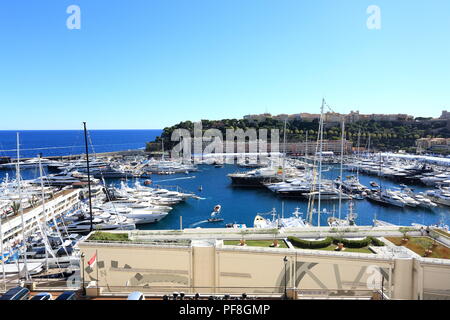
x=376 y=242
x=307 y=244
x=352 y=243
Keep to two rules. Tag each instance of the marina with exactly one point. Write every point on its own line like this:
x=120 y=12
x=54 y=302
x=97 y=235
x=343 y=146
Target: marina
x=241 y=204
x=57 y=206
x=227 y=153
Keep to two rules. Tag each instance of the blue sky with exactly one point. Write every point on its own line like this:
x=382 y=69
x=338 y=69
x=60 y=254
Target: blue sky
x=146 y=64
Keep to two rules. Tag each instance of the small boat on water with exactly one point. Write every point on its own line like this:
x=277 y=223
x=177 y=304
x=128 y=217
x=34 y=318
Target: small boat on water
x=374 y=184
x=215 y=214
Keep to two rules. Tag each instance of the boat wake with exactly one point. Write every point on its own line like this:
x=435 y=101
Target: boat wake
x=198 y=223
x=182 y=178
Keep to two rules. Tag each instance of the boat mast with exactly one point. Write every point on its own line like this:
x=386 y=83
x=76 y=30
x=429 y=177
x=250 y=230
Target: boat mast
x=379 y=175
x=284 y=150
x=341 y=170
x=320 y=160
x=25 y=269
x=357 y=167
x=1 y=252
x=88 y=173
x=43 y=208
x=306 y=147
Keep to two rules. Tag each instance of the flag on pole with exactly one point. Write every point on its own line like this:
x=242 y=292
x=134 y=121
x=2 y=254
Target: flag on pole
x=92 y=260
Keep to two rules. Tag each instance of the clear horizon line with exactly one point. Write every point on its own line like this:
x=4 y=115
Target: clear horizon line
x=14 y=130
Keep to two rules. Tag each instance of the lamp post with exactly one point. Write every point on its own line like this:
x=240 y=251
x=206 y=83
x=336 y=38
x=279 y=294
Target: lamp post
x=285 y=277
x=82 y=283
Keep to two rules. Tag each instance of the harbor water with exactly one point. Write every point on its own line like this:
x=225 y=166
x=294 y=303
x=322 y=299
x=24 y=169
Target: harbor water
x=238 y=205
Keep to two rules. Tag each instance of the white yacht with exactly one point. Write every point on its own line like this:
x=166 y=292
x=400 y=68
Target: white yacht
x=391 y=198
x=99 y=224
x=440 y=196
x=408 y=199
x=424 y=202
x=13 y=268
x=330 y=194
x=139 y=216
x=433 y=180
x=351 y=185
x=261 y=222
x=296 y=221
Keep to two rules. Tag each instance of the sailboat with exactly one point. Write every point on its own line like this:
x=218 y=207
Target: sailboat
x=215 y=214
x=349 y=221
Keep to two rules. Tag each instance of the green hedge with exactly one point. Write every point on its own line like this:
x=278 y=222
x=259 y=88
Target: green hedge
x=306 y=244
x=376 y=242
x=353 y=243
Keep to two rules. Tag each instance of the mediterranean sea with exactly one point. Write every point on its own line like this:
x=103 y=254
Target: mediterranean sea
x=71 y=142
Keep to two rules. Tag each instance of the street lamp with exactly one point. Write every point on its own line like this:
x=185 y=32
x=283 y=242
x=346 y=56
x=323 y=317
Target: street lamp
x=285 y=277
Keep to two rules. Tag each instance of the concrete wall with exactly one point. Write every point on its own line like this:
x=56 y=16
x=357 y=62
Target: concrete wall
x=204 y=269
x=265 y=271
x=121 y=266
x=209 y=269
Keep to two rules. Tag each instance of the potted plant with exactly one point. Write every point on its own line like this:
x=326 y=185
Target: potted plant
x=434 y=244
x=275 y=240
x=405 y=237
x=242 y=241
x=340 y=244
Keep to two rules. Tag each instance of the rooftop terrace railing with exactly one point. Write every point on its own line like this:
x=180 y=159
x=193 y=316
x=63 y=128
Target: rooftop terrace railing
x=139 y=243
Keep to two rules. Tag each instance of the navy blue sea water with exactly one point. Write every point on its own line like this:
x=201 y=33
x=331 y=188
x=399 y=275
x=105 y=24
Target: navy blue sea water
x=241 y=205
x=71 y=142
